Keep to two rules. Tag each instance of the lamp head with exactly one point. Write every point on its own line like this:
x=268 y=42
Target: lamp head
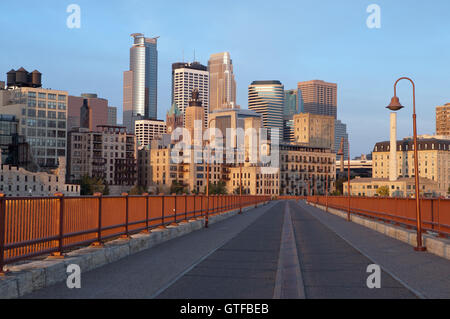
x=395 y=104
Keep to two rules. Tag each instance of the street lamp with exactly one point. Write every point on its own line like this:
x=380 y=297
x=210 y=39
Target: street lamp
x=395 y=106
x=207 y=181
x=348 y=179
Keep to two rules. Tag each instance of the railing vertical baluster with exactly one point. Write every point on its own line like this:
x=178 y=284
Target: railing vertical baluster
x=2 y=233
x=126 y=235
x=175 y=207
x=99 y=241
x=185 y=207
x=146 y=212
x=194 y=206
x=59 y=253
x=162 y=210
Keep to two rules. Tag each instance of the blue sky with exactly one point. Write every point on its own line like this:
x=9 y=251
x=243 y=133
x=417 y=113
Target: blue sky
x=289 y=41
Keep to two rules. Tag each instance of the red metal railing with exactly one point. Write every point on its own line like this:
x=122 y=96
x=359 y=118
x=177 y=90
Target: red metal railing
x=33 y=226
x=402 y=211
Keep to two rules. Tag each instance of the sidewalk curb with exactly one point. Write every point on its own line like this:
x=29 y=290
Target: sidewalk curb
x=434 y=245
x=28 y=277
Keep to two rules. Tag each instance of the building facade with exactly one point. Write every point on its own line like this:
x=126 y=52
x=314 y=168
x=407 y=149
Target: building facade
x=140 y=83
x=267 y=98
x=17 y=181
x=319 y=97
x=314 y=130
x=98 y=106
x=340 y=132
x=255 y=180
x=112 y=115
x=148 y=130
x=402 y=187
x=222 y=83
x=185 y=78
x=291 y=107
x=443 y=120
x=306 y=170
x=109 y=154
x=174 y=118
x=434 y=161
x=42 y=115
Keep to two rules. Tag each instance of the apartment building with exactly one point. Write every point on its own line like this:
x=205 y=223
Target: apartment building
x=17 y=181
x=109 y=153
x=306 y=170
x=434 y=161
x=42 y=115
x=148 y=130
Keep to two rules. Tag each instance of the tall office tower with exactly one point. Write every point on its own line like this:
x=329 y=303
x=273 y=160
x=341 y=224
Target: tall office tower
x=194 y=112
x=174 y=118
x=340 y=131
x=319 y=97
x=222 y=90
x=443 y=120
x=185 y=78
x=86 y=116
x=98 y=106
x=112 y=115
x=140 y=82
x=291 y=107
x=267 y=99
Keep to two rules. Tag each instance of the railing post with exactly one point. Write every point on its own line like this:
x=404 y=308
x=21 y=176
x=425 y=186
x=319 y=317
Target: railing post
x=99 y=242
x=185 y=207
x=162 y=211
x=2 y=233
x=194 y=208
x=59 y=253
x=145 y=231
x=175 y=205
x=126 y=235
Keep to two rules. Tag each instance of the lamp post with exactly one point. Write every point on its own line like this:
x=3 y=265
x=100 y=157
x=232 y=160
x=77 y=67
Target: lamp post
x=326 y=192
x=207 y=182
x=348 y=179
x=395 y=106
x=240 y=188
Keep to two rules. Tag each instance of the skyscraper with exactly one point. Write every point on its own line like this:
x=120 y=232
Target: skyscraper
x=98 y=106
x=185 y=78
x=340 y=131
x=267 y=99
x=291 y=107
x=140 y=82
x=319 y=97
x=222 y=91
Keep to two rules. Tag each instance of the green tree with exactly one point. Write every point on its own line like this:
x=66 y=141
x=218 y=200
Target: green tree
x=383 y=191
x=217 y=189
x=448 y=191
x=137 y=190
x=177 y=187
x=90 y=185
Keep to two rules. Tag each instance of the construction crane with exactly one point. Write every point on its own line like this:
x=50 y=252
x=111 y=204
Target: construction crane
x=341 y=153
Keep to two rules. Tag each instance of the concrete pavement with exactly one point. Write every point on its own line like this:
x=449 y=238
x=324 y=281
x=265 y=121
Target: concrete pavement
x=250 y=256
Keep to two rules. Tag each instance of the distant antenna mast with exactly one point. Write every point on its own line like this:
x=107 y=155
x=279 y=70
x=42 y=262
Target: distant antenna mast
x=194 y=55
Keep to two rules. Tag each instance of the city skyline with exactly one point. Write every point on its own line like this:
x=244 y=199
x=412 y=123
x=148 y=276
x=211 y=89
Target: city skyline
x=363 y=69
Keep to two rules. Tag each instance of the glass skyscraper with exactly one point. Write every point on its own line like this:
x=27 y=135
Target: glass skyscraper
x=141 y=81
x=291 y=107
x=267 y=99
